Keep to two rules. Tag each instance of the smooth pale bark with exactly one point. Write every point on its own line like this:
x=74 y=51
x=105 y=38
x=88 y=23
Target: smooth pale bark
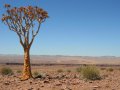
x=27 y=67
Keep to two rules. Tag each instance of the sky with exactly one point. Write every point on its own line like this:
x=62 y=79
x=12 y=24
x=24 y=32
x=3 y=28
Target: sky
x=75 y=27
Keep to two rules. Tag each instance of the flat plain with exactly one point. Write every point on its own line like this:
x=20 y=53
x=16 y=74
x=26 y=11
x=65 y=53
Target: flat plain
x=60 y=73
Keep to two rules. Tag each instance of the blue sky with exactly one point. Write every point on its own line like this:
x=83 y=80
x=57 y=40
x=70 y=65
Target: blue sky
x=75 y=27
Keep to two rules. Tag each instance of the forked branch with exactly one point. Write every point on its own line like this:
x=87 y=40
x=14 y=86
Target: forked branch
x=21 y=20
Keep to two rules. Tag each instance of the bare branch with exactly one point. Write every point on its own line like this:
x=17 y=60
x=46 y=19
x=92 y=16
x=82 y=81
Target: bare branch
x=21 y=20
x=20 y=38
x=37 y=29
x=33 y=35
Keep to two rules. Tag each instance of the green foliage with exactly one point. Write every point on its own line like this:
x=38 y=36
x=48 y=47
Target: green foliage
x=6 y=71
x=39 y=75
x=110 y=69
x=35 y=74
x=68 y=70
x=103 y=68
x=79 y=69
x=59 y=70
x=90 y=73
x=19 y=71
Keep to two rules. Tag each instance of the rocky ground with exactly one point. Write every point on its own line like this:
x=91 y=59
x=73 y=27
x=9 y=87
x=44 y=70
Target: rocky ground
x=64 y=80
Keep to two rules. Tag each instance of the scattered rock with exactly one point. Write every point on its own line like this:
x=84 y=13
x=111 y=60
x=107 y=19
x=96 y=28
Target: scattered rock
x=75 y=82
x=60 y=76
x=49 y=77
x=42 y=85
x=75 y=76
x=57 y=83
x=63 y=81
x=90 y=82
x=96 y=86
x=36 y=83
x=6 y=83
x=30 y=89
x=38 y=88
x=69 y=88
x=30 y=82
x=107 y=86
x=63 y=87
x=46 y=81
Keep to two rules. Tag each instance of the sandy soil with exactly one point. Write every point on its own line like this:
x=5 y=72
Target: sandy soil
x=54 y=80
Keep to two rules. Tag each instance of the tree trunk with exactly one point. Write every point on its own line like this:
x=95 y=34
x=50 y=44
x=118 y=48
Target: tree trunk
x=27 y=67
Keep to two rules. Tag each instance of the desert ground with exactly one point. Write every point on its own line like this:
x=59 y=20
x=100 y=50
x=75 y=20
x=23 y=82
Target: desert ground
x=62 y=75
x=66 y=79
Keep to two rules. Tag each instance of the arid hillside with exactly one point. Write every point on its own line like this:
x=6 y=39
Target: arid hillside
x=43 y=59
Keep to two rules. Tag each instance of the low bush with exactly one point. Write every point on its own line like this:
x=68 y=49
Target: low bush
x=79 y=69
x=110 y=69
x=103 y=68
x=68 y=71
x=59 y=70
x=35 y=74
x=19 y=71
x=39 y=75
x=6 y=71
x=90 y=73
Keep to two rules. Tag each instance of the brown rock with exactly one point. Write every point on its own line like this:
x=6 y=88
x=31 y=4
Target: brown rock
x=68 y=88
x=75 y=82
x=90 y=82
x=30 y=89
x=30 y=82
x=6 y=83
x=42 y=85
x=96 y=86
x=57 y=83
x=63 y=87
x=46 y=81
x=38 y=88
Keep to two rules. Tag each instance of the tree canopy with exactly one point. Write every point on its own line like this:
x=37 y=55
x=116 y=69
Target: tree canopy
x=22 y=20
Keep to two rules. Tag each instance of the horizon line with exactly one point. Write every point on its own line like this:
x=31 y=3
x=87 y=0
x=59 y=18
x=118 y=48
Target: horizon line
x=63 y=55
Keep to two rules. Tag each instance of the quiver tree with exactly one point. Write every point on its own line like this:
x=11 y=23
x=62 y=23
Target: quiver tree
x=25 y=22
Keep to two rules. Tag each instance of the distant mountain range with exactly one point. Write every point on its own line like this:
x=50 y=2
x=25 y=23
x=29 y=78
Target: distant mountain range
x=59 y=59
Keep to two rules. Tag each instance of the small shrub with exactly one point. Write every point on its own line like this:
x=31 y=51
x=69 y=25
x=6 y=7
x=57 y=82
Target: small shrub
x=110 y=69
x=6 y=71
x=19 y=71
x=59 y=70
x=103 y=68
x=39 y=75
x=79 y=69
x=68 y=71
x=35 y=74
x=90 y=73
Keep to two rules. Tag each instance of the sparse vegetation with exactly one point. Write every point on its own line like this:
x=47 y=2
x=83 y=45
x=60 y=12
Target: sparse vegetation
x=110 y=69
x=68 y=70
x=79 y=69
x=90 y=73
x=103 y=68
x=6 y=71
x=35 y=74
x=39 y=75
x=19 y=71
x=59 y=70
